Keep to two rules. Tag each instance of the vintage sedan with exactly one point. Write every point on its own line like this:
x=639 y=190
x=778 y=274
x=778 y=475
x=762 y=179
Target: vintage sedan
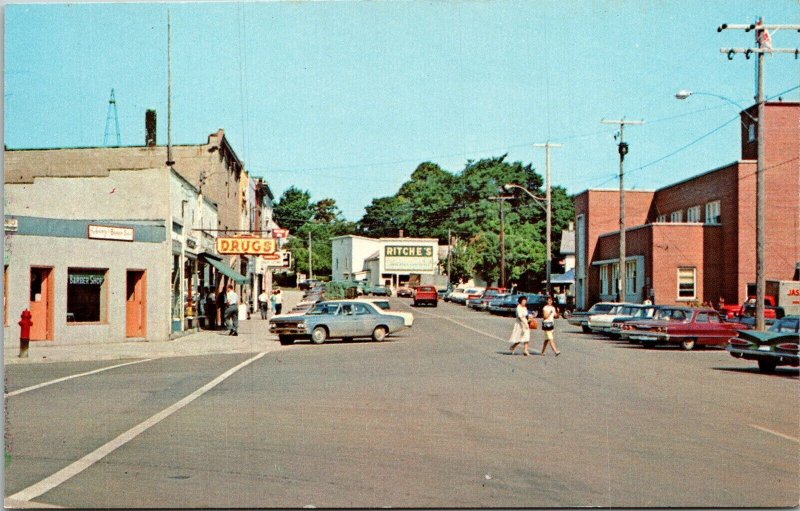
x=340 y=319
x=384 y=307
x=601 y=323
x=685 y=326
x=581 y=319
x=404 y=292
x=778 y=346
x=643 y=312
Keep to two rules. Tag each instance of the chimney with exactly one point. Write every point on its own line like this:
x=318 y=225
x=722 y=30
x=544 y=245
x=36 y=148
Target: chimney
x=572 y=226
x=401 y=233
x=150 y=128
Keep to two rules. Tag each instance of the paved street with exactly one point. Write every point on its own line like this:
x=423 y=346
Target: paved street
x=438 y=415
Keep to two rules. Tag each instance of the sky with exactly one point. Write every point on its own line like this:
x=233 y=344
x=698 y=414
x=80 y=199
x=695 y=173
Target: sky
x=345 y=99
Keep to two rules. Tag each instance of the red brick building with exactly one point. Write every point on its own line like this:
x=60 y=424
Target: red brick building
x=696 y=240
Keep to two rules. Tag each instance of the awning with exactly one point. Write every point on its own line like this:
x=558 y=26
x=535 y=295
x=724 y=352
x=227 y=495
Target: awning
x=224 y=269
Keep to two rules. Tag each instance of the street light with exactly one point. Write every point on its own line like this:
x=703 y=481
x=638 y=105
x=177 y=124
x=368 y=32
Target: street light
x=760 y=277
x=546 y=206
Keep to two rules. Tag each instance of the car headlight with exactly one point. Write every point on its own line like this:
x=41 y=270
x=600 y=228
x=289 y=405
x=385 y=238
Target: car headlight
x=301 y=325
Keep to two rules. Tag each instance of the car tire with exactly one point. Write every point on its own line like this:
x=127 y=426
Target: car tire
x=688 y=344
x=586 y=329
x=435 y=304
x=379 y=334
x=766 y=365
x=319 y=334
x=285 y=340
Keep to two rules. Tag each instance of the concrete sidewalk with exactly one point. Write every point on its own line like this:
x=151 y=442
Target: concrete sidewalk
x=253 y=337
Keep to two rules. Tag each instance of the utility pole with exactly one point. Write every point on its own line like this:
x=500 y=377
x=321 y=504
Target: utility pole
x=623 y=150
x=310 y=271
x=763 y=45
x=549 y=207
x=449 y=254
x=169 y=162
x=501 y=200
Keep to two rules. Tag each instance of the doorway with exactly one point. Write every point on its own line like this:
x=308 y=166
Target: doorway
x=41 y=303
x=136 y=304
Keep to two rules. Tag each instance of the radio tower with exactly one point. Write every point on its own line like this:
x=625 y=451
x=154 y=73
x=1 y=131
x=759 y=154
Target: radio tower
x=112 y=111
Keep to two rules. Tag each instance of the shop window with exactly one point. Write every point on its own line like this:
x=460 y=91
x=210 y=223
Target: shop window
x=713 y=213
x=86 y=295
x=687 y=281
x=676 y=216
x=693 y=214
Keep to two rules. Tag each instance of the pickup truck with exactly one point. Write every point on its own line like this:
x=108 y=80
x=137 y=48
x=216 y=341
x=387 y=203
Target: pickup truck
x=426 y=295
x=684 y=326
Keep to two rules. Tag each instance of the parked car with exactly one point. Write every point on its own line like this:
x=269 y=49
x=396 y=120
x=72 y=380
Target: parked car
x=385 y=307
x=339 y=319
x=506 y=305
x=685 y=326
x=641 y=313
x=581 y=319
x=778 y=346
x=461 y=297
x=442 y=293
x=747 y=315
x=482 y=302
x=601 y=323
x=308 y=284
x=425 y=295
x=404 y=292
x=380 y=291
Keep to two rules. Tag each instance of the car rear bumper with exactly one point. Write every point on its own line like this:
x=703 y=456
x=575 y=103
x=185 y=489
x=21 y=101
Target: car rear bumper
x=782 y=357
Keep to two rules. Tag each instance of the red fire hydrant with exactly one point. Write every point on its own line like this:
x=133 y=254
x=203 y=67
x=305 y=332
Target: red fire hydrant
x=25 y=324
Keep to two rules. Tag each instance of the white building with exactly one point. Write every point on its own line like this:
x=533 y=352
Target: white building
x=383 y=261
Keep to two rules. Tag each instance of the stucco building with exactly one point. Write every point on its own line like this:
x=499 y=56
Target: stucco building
x=383 y=261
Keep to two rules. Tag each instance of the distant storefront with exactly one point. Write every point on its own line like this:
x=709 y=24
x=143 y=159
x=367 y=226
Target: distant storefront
x=383 y=261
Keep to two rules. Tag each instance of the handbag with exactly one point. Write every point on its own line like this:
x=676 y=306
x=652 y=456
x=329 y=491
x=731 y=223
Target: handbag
x=548 y=325
x=533 y=324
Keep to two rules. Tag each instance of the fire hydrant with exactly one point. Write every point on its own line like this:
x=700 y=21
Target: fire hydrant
x=25 y=324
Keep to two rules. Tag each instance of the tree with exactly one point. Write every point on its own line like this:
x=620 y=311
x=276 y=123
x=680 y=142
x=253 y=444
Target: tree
x=386 y=216
x=293 y=209
x=326 y=211
x=429 y=194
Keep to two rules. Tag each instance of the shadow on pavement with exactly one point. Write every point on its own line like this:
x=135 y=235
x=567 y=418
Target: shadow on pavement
x=780 y=372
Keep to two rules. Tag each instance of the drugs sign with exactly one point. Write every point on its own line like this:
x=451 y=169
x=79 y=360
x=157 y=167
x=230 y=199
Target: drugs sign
x=245 y=246
x=409 y=258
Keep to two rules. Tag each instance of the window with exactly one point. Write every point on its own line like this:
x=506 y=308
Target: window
x=661 y=218
x=713 y=213
x=751 y=133
x=686 y=283
x=702 y=317
x=361 y=309
x=630 y=277
x=604 y=279
x=615 y=287
x=693 y=214
x=676 y=216
x=86 y=295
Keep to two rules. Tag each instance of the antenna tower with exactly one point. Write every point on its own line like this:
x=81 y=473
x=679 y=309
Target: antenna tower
x=112 y=113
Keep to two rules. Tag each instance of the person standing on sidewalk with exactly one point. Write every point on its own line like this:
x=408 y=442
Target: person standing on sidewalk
x=278 y=297
x=522 y=332
x=263 y=303
x=549 y=315
x=211 y=309
x=232 y=311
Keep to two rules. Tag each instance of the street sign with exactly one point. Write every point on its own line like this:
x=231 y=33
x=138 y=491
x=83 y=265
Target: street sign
x=245 y=246
x=278 y=260
x=280 y=233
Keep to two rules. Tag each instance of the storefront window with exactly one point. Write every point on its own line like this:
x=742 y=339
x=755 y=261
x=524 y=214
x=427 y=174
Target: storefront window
x=86 y=295
x=176 y=287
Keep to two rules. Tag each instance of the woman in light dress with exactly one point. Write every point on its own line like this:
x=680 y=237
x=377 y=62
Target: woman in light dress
x=522 y=332
x=549 y=314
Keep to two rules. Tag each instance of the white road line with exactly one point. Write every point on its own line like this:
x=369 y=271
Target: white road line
x=65 y=378
x=93 y=457
x=787 y=437
x=457 y=323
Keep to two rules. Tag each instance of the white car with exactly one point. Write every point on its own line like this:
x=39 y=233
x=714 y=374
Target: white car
x=601 y=323
x=384 y=308
x=461 y=294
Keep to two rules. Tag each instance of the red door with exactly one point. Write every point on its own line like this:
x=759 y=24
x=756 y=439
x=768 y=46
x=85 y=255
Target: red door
x=136 y=304
x=41 y=304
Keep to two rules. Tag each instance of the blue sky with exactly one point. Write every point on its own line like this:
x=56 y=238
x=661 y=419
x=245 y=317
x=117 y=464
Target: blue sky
x=344 y=99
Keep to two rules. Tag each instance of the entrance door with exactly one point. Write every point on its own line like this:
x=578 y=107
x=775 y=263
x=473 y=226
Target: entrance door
x=41 y=304
x=136 y=304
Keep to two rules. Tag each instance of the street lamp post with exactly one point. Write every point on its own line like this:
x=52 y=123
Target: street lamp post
x=546 y=206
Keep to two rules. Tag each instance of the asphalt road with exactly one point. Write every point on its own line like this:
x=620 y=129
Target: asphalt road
x=438 y=415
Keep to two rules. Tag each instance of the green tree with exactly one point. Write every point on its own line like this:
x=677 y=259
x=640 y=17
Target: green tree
x=386 y=216
x=429 y=195
x=293 y=209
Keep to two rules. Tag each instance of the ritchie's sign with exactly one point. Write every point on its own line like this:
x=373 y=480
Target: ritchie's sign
x=245 y=246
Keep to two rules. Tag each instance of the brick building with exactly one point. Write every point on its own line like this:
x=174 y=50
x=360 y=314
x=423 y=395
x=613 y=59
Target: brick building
x=695 y=240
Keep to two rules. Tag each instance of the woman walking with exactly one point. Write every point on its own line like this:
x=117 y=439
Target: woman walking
x=549 y=315
x=522 y=332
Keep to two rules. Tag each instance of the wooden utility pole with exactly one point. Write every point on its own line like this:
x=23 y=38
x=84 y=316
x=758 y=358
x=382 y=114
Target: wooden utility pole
x=623 y=150
x=549 y=214
x=501 y=200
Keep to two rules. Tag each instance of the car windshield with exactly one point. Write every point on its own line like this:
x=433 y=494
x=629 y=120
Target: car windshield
x=789 y=325
x=601 y=308
x=322 y=309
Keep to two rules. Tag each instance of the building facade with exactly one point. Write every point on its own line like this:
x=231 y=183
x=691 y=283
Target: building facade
x=694 y=241
x=383 y=261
